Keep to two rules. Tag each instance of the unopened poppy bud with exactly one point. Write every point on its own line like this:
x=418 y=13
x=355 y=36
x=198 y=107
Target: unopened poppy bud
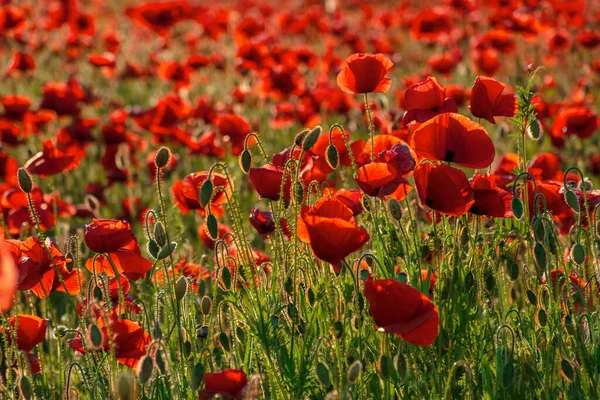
x=246 y=160
x=226 y=278
x=197 y=377
x=70 y=262
x=534 y=130
x=161 y=362
x=571 y=200
x=224 y=341
x=25 y=182
x=157 y=331
x=299 y=191
x=166 y=251
x=160 y=236
x=206 y=192
x=354 y=371
x=332 y=157
x=126 y=386
x=153 y=248
x=311 y=138
x=25 y=387
x=539 y=254
x=212 y=226
x=288 y=285
x=323 y=375
x=205 y=305
x=95 y=337
x=299 y=139
x=180 y=287
x=145 y=369
x=578 y=253
x=401 y=366
x=517 y=207
x=586 y=184
x=91 y=202
x=464 y=236
x=97 y=293
x=385 y=367
x=395 y=209
x=163 y=155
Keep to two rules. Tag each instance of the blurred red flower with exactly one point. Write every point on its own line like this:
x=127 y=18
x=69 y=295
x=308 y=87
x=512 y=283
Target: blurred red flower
x=365 y=73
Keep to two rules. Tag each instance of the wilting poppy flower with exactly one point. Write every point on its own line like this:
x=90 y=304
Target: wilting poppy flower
x=365 y=73
x=400 y=309
x=108 y=235
x=331 y=230
x=31 y=331
x=425 y=100
x=186 y=193
x=489 y=101
x=454 y=138
x=490 y=200
x=444 y=189
x=228 y=384
x=129 y=340
x=8 y=278
x=51 y=161
x=579 y=121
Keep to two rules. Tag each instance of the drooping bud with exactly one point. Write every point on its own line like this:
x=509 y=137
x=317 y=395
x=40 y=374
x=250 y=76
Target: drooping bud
x=166 y=251
x=25 y=387
x=578 y=254
x=332 y=157
x=311 y=138
x=160 y=236
x=161 y=362
x=206 y=192
x=517 y=207
x=95 y=337
x=323 y=375
x=212 y=226
x=246 y=160
x=145 y=369
x=299 y=139
x=25 y=182
x=205 y=305
x=395 y=209
x=534 y=130
x=571 y=200
x=163 y=155
x=180 y=288
x=354 y=371
x=197 y=377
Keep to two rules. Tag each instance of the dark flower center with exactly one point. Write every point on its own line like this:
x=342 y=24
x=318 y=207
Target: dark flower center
x=449 y=156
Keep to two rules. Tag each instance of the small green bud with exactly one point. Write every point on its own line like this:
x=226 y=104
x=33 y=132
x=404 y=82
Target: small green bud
x=25 y=387
x=517 y=207
x=145 y=369
x=246 y=160
x=395 y=209
x=95 y=337
x=212 y=226
x=332 y=157
x=311 y=138
x=206 y=192
x=24 y=180
x=180 y=287
x=160 y=236
x=163 y=155
x=354 y=371
x=534 y=130
x=323 y=375
x=205 y=305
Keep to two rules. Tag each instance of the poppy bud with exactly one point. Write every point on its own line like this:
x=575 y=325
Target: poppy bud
x=197 y=377
x=166 y=251
x=145 y=369
x=566 y=370
x=161 y=362
x=507 y=375
x=91 y=203
x=332 y=156
x=153 y=248
x=206 y=192
x=464 y=236
x=126 y=386
x=539 y=254
x=160 y=236
x=157 y=331
x=322 y=373
x=97 y=293
x=542 y=317
x=205 y=305
x=24 y=179
x=25 y=387
x=299 y=190
x=586 y=184
x=531 y=297
x=180 y=288
x=571 y=200
x=517 y=207
x=163 y=155
x=395 y=209
x=539 y=230
x=401 y=366
x=224 y=341
x=70 y=262
x=578 y=254
x=354 y=371
x=226 y=278
x=534 y=130
x=212 y=226
x=385 y=367
x=311 y=138
x=95 y=337
x=288 y=285
x=299 y=139
x=246 y=160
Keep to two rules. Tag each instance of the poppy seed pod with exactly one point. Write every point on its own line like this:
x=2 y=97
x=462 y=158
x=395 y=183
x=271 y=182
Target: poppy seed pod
x=145 y=369
x=163 y=155
x=311 y=138
x=24 y=179
x=246 y=160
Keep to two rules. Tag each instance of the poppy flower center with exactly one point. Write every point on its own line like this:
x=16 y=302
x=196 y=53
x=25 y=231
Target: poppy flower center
x=449 y=156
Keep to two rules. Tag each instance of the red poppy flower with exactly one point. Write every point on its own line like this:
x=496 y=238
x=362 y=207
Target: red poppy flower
x=208 y=242
x=490 y=200
x=234 y=128
x=108 y=235
x=351 y=199
x=398 y=308
x=262 y=222
x=21 y=62
x=159 y=16
x=331 y=230
x=50 y=161
x=425 y=100
x=8 y=278
x=454 y=138
x=431 y=25
x=229 y=384
x=444 y=189
x=578 y=120
x=365 y=73
x=186 y=193
x=15 y=107
x=31 y=331
x=129 y=340
x=488 y=100
x=267 y=182
x=126 y=262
